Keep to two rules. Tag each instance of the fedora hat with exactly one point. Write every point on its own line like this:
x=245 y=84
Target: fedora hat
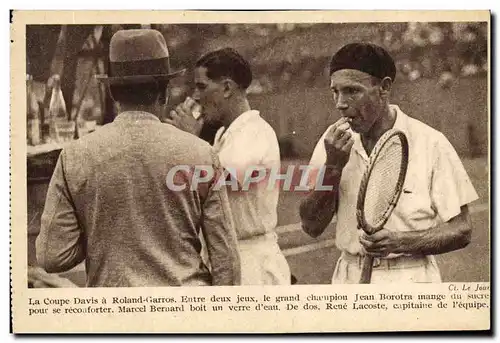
x=138 y=56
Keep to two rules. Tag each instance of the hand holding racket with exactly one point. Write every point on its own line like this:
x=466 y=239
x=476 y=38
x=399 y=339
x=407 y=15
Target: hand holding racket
x=381 y=187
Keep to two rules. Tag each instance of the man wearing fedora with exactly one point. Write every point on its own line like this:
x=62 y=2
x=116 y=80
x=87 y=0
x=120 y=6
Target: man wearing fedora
x=245 y=140
x=108 y=202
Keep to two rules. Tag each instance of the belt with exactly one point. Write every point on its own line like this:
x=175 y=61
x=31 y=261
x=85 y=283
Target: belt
x=400 y=262
x=266 y=236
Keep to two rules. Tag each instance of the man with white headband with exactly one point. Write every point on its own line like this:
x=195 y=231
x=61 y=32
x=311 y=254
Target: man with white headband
x=432 y=214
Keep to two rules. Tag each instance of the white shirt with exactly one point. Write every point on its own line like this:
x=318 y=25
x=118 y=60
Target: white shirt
x=435 y=188
x=250 y=141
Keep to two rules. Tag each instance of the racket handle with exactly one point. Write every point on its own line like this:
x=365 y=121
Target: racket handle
x=366 y=271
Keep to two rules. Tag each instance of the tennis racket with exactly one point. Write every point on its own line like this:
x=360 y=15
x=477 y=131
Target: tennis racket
x=381 y=187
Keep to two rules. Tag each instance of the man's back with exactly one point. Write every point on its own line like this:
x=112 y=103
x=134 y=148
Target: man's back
x=138 y=231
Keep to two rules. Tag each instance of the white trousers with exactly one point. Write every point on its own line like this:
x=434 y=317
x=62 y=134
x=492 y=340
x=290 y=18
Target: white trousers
x=262 y=262
x=406 y=269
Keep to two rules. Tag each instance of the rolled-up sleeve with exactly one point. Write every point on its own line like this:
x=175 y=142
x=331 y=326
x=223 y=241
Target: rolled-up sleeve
x=451 y=186
x=220 y=235
x=60 y=244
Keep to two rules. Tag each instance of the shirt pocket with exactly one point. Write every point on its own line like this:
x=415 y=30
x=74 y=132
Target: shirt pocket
x=414 y=202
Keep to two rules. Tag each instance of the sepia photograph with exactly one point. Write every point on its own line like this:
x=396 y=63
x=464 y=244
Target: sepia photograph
x=438 y=77
x=254 y=153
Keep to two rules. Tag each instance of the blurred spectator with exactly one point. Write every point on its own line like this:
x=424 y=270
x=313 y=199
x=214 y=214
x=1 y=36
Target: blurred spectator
x=424 y=50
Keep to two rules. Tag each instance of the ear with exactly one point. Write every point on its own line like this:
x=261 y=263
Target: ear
x=385 y=87
x=229 y=87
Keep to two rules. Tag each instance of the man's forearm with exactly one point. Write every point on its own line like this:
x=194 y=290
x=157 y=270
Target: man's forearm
x=221 y=239
x=60 y=244
x=58 y=254
x=452 y=235
x=318 y=208
x=228 y=271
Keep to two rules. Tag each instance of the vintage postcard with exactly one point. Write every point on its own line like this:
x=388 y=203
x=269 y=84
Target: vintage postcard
x=250 y=172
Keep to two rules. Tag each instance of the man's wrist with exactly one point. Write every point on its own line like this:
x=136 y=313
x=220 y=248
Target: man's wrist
x=333 y=171
x=332 y=175
x=405 y=242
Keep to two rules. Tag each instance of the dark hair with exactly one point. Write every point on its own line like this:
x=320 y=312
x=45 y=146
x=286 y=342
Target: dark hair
x=227 y=62
x=138 y=94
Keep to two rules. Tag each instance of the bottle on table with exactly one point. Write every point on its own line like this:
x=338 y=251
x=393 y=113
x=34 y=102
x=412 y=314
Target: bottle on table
x=62 y=128
x=33 y=127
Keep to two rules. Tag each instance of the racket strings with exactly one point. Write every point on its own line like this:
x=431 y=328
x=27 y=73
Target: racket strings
x=383 y=183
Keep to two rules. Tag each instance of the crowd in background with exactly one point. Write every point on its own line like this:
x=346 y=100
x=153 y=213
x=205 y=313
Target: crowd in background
x=285 y=54
x=284 y=57
x=442 y=51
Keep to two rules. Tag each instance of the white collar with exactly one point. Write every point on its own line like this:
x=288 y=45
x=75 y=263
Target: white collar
x=237 y=124
x=401 y=123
